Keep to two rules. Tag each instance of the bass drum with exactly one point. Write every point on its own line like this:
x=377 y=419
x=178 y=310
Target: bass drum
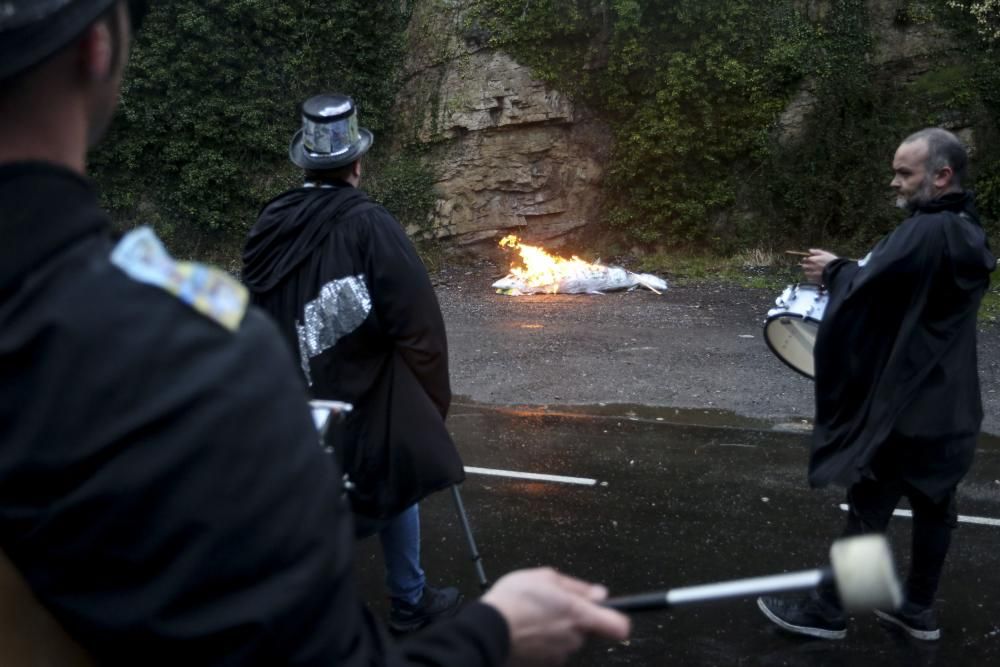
x=791 y=326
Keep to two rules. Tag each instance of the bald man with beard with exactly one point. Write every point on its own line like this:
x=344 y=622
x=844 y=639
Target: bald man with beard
x=898 y=406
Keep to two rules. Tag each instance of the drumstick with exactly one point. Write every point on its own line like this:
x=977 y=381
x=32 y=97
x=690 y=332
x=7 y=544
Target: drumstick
x=797 y=253
x=861 y=568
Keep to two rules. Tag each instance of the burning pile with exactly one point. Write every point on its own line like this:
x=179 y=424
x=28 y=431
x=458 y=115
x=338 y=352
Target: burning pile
x=547 y=274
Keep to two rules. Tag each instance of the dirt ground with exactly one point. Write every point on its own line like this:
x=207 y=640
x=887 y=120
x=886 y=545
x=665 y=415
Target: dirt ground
x=695 y=347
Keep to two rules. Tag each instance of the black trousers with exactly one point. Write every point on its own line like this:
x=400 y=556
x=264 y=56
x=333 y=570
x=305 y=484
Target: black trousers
x=870 y=506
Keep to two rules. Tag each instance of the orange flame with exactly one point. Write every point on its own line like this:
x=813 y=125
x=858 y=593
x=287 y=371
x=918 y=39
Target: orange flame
x=542 y=269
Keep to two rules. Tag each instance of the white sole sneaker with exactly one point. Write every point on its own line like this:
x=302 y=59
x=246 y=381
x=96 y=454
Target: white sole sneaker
x=800 y=629
x=925 y=635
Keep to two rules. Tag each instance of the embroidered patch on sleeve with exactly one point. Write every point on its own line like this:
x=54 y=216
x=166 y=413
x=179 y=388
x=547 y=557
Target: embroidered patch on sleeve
x=211 y=292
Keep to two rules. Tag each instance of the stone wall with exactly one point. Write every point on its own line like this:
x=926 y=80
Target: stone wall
x=511 y=154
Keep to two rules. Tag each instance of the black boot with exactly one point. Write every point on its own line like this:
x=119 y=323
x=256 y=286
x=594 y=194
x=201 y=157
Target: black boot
x=434 y=603
x=916 y=621
x=809 y=615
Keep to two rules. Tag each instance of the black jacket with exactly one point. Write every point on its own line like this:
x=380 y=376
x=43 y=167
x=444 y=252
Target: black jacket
x=896 y=352
x=355 y=303
x=161 y=484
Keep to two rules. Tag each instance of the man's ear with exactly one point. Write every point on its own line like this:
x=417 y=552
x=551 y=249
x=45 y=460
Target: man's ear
x=356 y=168
x=944 y=177
x=96 y=52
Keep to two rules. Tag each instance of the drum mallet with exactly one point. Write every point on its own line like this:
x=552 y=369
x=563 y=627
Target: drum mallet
x=861 y=568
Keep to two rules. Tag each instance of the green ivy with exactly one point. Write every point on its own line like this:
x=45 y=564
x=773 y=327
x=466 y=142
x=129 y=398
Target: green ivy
x=695 y=89
x=211 y=99
x=405 y=186
x=914 y=12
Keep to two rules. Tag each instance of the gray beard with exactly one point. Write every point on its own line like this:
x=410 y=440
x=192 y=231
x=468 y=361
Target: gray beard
x=919 y=198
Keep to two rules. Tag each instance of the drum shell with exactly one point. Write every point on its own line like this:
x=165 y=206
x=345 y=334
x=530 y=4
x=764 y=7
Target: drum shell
x=791 y=326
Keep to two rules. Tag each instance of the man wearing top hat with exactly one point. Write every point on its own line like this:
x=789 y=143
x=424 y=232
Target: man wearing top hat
x=355 y=303
x=162 y=493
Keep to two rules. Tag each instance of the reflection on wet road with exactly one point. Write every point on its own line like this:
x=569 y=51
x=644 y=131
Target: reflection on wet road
x=674 y=503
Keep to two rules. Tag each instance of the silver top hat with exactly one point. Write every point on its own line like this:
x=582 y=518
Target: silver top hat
x=330 y=137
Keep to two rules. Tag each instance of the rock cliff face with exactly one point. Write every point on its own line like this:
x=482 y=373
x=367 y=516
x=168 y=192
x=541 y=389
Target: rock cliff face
x=906 y=47
x=513 y=155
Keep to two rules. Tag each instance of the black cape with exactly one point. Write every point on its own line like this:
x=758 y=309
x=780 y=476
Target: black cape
x=896 y=352
x=389 y=355
x=161 y=485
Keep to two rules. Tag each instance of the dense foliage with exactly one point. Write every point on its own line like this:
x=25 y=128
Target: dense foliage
x=211 y=101
x=697 y=91
x=986 y=13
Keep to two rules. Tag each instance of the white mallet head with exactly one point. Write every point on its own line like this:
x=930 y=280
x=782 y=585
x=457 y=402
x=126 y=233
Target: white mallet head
x=864 y=573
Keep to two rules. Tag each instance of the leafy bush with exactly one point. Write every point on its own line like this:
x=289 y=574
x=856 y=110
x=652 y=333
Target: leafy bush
x=696 y=90
x=211 y=101
x=405 y=186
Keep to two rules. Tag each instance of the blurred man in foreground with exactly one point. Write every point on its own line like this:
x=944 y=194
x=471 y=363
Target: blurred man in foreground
x=161 y=486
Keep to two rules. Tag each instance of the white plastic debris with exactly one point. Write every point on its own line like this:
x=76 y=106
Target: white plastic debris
x=593 y=279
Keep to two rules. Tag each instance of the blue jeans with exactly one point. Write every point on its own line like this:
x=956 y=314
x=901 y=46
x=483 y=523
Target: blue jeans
x=400 y=538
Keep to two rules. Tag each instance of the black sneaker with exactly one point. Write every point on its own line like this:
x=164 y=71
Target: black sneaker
x=809 y=615
x=434 y=603
x=918 y=622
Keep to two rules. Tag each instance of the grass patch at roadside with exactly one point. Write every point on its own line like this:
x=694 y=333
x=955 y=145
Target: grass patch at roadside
x=432 y=254
x=758 y=268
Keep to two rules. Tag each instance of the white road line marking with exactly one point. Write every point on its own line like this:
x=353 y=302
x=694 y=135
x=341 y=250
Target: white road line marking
x=583 y=481
x=981 y=520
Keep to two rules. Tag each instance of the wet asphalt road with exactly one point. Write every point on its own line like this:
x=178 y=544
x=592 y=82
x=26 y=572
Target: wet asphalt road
x=696 y=436
x=692 y=347
x=683 y=498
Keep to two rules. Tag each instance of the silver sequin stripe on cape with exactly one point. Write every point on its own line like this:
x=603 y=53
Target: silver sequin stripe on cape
x=340 y=308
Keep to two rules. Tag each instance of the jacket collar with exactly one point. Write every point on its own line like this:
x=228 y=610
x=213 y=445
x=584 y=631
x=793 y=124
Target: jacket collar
x=953 y=201
x=43 y=208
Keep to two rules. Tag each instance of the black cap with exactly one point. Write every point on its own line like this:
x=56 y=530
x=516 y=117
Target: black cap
x=32 y=30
